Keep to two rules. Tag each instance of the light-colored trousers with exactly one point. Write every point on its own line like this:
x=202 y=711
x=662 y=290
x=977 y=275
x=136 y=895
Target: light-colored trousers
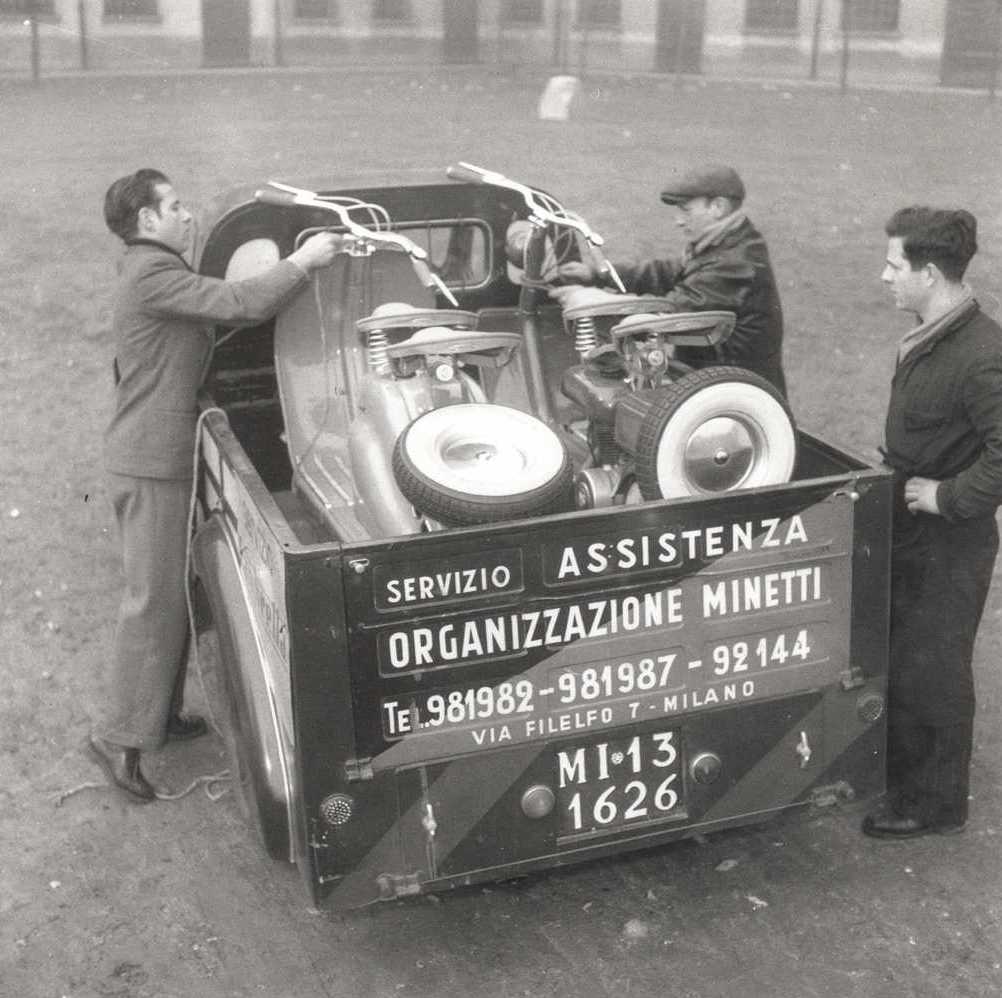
x=151 y=640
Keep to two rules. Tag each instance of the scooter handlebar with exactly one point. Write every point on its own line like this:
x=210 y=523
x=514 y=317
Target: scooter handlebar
x=268 y=195
x=466 y=172
x=419 y=257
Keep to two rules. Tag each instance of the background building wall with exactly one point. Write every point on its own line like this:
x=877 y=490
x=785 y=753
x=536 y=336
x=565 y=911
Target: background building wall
x=173 y=39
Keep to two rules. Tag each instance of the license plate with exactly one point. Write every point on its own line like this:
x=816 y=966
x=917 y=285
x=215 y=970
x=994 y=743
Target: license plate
x=607 y=785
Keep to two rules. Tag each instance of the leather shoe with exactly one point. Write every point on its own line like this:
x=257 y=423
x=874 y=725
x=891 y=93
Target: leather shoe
x=121 y=766
x=887 y=825
x=181 y=727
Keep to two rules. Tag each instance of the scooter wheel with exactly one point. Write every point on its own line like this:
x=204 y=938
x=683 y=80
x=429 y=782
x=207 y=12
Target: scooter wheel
x=479 y=463
x=714 y=430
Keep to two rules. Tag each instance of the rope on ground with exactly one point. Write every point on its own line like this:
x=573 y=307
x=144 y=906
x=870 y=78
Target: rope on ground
x=59 y=798
x=207 y=781
x=210 y=782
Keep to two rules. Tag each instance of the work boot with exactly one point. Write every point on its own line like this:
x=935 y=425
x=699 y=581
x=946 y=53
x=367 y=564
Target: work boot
x=182 y=727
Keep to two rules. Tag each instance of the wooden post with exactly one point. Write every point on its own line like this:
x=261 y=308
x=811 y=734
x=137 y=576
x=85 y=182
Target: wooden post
x=846 y=29
x=584 y=23
x=277 y=55
x=819 y=10
x=558 y=35
x=36 y=62
x=996 y=54
x=499 y=35
x=82 y=31
x=680 y=40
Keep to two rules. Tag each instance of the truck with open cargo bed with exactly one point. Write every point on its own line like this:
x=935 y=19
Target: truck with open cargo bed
x=499 y=586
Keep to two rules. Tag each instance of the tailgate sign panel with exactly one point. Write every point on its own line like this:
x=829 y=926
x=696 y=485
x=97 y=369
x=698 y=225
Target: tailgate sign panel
x=747 y=610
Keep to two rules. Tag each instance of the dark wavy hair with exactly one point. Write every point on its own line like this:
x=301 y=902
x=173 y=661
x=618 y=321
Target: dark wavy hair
x=127 y=196
x=947 y=238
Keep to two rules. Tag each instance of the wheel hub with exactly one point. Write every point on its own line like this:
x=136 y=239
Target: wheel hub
x=482 y=459
x=719 y=454
x=469 y=452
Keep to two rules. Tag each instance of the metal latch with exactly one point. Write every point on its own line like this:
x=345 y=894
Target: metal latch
x=359 y=565
x=803 y=749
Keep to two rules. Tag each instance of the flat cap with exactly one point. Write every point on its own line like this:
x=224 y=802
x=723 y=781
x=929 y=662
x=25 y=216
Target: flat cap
x=709 y=180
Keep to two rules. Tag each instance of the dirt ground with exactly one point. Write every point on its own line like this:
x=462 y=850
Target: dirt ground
x=100 y=898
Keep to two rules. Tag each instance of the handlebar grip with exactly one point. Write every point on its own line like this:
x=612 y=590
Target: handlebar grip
x=423 y=272
x=606 y=267
x=268 y=195
x=459 y=171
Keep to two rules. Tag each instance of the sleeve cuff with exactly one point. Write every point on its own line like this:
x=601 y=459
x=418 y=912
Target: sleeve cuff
x=303 y=272
x=944 y=499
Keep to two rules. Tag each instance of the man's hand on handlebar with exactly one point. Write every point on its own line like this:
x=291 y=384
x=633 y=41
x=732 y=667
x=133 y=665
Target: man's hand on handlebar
x=576 y=272
x=317 y=251
x=576 y=295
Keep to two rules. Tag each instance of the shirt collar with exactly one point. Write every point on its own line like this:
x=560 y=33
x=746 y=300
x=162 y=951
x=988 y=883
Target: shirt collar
x=925 y=331
x=712 y=235
x=140 y=241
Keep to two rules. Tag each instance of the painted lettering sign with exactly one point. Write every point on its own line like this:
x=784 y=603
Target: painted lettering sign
x=620 y=629
x=448 y=580
x=260 y=555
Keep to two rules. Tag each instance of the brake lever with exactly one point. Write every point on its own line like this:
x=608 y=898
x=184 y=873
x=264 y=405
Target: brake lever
x=606 y=267
x=431 y=280
x=609 y=269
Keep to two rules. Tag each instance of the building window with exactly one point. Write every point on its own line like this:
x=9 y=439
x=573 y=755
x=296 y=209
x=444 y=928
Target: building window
x=21 y=8
x=391 y=10
x=599 y=13
x=315 y=10
x=772 y=15
x=523 y=11
x=131 y=10
x=871 y=15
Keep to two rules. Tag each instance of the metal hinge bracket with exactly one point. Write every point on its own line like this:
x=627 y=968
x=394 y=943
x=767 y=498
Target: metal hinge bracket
x=852 y=679
x=833 y=793
x=394 y=885
x=356 y=770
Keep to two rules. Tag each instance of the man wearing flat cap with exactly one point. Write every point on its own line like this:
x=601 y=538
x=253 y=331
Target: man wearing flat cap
x=725 y=265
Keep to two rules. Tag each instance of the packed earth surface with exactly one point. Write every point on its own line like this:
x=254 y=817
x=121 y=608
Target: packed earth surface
x=102 y=899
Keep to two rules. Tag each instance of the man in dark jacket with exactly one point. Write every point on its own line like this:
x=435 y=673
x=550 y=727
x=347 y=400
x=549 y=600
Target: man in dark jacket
x=163 y=326
x=725 y=266
x=944 y=443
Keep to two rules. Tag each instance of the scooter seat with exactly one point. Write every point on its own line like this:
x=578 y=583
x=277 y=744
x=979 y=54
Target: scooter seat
x=439 y=340
x=398 y=315
x=681 y=328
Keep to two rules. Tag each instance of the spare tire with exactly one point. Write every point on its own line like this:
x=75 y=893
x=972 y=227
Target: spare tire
x=478 y=463
x=712 y=431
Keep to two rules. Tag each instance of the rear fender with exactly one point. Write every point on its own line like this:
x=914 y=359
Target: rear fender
x=388 y=407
